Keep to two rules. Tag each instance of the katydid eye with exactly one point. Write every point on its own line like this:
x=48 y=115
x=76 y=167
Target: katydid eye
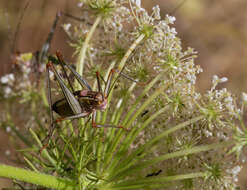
x=99 y=97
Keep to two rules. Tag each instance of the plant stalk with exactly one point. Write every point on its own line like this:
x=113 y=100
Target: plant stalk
x=82 y=54
x=36 y=178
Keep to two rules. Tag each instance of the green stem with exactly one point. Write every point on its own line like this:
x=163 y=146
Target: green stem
x=130 y=50
x=36 y=178
x=30 y=164
x=132 y=136
x=43 y=95
x=44 y=152
x=128 y=124
x=82 y=55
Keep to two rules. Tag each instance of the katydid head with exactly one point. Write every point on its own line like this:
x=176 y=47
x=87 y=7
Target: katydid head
x=102 y=101
x=101 y=97
x=94 y=98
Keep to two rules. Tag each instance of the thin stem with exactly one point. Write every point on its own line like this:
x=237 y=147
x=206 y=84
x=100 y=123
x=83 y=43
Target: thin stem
x=132 y=136
x=82 y=55
x=130 y=50
x=30 y=164
x=44 y=152
x=193 y=150
x=36 y=178
x=173 y=129
x=125 y=58
x=159 y=180
x=135 y=168
x=43 y=96
x=113 y=145
x=127 y=126
x=130 y=161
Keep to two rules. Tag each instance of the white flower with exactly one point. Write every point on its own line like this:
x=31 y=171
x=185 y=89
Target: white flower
x=156 y=11
x=244 y=97
x=170 y=19
x=208 y=133
x=4 y=80
x=7 y=91
x=7 y=152
x=173 y=31
x=9 y=78
x=8 y=129
x=223 y=79
x=80 y=4
x=66 y=27
x=137 y=2
x=215 y=79
x=228 y=99
x=236 y=170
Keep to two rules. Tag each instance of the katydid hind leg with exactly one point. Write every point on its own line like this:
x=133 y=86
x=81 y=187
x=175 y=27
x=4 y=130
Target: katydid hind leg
x=78 y=77
x=98 y=82
x=45 y=141
x=131 y=79
x=108 y=86
x=46 y=46
x=61 y=62
x=70 y=98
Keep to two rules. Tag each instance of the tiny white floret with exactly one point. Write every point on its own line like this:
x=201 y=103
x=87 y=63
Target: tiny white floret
x=244 y=97
x=171 y=19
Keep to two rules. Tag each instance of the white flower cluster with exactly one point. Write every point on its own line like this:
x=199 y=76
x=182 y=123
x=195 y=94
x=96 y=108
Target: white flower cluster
x=8 y=79
x=234 y=172
x=8 y=83
x=216 y=80
x=244 y=97
x=20 y=82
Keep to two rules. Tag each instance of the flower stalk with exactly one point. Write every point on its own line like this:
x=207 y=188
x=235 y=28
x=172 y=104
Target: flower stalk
x=82 y=54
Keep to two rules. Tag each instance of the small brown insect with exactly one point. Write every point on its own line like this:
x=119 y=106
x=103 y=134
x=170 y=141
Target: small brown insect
x=77 y=104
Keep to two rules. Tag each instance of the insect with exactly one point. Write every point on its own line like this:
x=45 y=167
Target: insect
x=77 y=104
x=81 y=103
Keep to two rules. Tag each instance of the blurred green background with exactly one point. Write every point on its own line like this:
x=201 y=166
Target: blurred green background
x=216 y=29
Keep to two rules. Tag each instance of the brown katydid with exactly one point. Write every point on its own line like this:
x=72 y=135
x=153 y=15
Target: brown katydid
x=81 y=103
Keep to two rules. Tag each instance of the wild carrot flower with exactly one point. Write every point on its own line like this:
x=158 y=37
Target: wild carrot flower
x=175 y=137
